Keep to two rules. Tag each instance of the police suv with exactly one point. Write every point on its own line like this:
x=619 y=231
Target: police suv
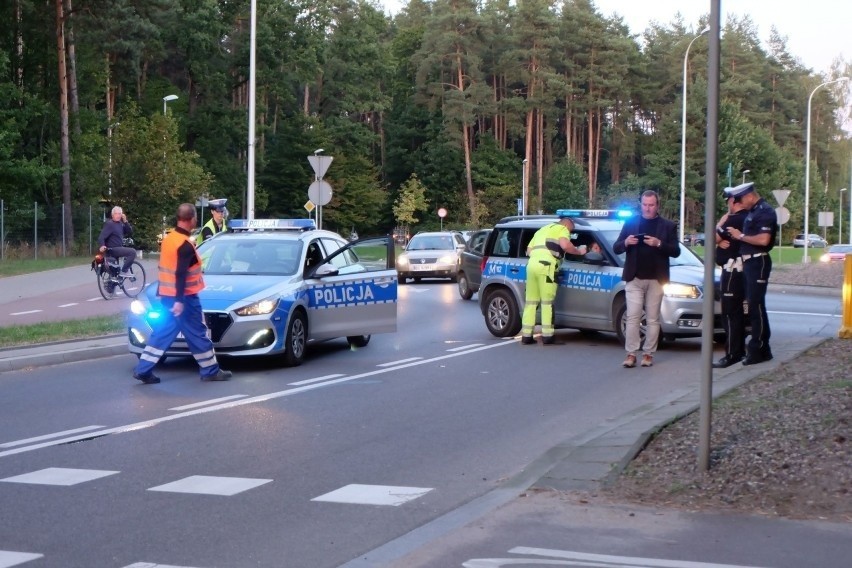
x=274 y=285
x=591 y=294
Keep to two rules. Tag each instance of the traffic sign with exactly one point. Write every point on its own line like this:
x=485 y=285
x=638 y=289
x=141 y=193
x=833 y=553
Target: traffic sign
x=309 y=206
x=782 y=213
x=320 y=192
x=781 y=196
x=320 y=164
x=442 y=212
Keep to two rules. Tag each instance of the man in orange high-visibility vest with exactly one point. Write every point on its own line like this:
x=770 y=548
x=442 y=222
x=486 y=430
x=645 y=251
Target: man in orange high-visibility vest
x=180 y=282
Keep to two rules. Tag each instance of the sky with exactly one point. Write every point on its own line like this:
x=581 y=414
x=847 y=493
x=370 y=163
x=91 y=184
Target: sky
x=817 y=30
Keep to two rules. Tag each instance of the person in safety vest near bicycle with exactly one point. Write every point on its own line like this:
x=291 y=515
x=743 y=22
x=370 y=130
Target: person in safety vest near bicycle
x=179 y=285
x=217 y=222
x=546 y=249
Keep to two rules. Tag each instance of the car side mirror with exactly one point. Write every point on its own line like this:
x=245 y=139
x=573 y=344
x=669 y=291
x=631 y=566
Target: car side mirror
x=594 y=258
x=325 y=270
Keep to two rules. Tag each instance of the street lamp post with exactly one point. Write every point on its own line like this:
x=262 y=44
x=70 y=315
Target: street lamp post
x=683 y=137
x=840 y=225
x=744 y=173
x=805 y=257
x=109 y=172
x=524 y=188
x=167 y=99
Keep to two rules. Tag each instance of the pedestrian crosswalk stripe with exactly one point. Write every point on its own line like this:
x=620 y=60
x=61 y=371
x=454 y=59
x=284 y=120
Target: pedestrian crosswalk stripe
x=59 y=476
x=211 y=485
x=10 y=558
x=357 y=494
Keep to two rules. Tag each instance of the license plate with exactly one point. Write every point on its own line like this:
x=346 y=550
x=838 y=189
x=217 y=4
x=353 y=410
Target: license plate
x=422 y=267
x=181 y=336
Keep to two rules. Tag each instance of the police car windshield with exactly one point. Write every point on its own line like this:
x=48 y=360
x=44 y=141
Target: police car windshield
x=686 y=258
x=251 y=256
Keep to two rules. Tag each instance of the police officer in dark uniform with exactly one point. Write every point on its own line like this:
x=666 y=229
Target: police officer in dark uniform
x=733 y=292
x=757 y=238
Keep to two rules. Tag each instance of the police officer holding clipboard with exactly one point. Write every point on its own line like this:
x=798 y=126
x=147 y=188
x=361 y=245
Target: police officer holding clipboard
x=757 y=238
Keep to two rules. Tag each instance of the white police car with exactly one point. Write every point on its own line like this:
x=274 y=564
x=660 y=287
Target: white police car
x=274 y=285
x=591 y=294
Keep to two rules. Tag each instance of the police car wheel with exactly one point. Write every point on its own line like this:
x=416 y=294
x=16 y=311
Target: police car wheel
x=296 y=340
x=358 y=340
x=464 y=287
x=502 y=317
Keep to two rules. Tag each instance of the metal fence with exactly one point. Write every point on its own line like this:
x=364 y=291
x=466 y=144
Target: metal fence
x=38 y=231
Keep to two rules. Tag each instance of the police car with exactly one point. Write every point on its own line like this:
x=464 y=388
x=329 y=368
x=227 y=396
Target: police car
x=591 y=292
x=274 y=285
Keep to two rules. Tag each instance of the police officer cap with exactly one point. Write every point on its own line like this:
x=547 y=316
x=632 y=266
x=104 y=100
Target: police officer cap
x=740 y=190
x=217 y=204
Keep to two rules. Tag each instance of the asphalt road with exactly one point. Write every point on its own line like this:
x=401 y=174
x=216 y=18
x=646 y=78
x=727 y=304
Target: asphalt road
x=315 y=465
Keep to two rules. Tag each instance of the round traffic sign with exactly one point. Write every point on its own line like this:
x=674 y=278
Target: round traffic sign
x=783 y=215
x=442 y=212
x=320 y=192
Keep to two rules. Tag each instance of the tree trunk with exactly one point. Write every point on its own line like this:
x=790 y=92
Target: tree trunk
x=64 y=151
x=72 y=72
x=471 y=198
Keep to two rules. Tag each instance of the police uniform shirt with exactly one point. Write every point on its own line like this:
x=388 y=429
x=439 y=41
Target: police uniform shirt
x=735 y=220
x=760 y=219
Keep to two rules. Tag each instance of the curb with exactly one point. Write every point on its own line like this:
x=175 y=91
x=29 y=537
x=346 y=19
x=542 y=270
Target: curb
x=29 y=357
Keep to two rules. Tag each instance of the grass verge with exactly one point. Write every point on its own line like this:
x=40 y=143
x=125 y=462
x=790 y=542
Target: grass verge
x=60 y=330
x=14 y=267
x=782 y=255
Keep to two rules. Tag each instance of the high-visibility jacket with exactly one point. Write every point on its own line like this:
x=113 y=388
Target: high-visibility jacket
x=168 y=266
x=545 y=242
x=214 y=228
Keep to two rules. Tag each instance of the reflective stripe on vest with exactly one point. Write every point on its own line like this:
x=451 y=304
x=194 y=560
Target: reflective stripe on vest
x=168 y=267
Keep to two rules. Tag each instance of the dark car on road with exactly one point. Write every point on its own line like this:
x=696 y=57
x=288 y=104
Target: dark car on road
x=470 y=269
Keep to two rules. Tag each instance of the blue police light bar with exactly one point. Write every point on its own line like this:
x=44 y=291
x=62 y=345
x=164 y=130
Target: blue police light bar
x=271 y=225
x=595 y=213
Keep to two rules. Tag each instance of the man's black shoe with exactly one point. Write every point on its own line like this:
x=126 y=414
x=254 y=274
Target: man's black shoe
x=551 y=341
x=726 y=362
x=755 y=358
x=222 y=375
x=149 y=379
x=527 y=340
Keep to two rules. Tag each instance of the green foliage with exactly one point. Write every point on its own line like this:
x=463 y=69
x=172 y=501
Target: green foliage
x=566 y=187
x=410 y=201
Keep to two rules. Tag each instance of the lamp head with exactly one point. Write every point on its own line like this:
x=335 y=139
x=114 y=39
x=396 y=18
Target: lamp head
x=318 y=150
x=170 y=98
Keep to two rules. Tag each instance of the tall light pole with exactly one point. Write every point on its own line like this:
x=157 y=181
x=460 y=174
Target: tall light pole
x=683 y=137
x=840 y=226
x=805 y=257
x=524 y=188
x=109 y=172
x=167 y=99
x=744 y=173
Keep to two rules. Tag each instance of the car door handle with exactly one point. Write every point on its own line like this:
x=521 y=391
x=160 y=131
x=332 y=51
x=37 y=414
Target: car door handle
x=514 y=270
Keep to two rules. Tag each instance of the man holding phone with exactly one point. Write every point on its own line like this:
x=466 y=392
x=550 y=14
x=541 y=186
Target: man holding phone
x=648 y=241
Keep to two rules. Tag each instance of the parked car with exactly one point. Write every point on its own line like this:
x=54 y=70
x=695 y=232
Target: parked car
x=836 y=253
x=275 y=285
x=591 y=292
x=814 y=241
x=431 y=255
x=470 y=270
x=696 y=240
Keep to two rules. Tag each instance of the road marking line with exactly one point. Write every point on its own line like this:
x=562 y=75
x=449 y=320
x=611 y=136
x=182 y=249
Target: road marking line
x=211 y=485
x=400 y=362
x=803 y=314
x=615 y=561
x=252 y=400
x=463 y=347
x=68 y=305
x=206 y=402
x=94 y=299
x=59 y=476
x=49 y=436
x=25 y=313
x=316 y=380
x=357 y=494
x=9 y=558
x=151 y=565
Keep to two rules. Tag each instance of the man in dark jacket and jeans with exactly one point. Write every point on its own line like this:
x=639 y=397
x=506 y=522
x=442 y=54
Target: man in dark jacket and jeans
x=648 y=241
x=112 y=237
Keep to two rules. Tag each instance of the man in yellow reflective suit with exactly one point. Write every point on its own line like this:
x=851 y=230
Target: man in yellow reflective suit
x=546 y=249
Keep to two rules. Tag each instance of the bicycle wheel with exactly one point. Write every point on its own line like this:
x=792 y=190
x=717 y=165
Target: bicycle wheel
x=106 y=283
x=133 y=285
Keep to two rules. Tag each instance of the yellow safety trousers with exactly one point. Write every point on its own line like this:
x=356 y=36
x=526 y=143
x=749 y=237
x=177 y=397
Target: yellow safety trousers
x=540 y=288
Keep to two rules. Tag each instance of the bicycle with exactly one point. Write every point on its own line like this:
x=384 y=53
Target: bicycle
x=110 y=281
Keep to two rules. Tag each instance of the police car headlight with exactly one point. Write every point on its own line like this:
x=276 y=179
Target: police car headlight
x=260 y=308
x=137 y=307
x=402 y=260
x=677 y=290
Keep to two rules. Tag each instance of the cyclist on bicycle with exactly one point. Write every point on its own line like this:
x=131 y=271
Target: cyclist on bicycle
x=111 y=239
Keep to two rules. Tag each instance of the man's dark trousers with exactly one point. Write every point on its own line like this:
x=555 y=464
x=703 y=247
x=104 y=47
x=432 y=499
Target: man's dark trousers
x=756 y=279
x=733 y=318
